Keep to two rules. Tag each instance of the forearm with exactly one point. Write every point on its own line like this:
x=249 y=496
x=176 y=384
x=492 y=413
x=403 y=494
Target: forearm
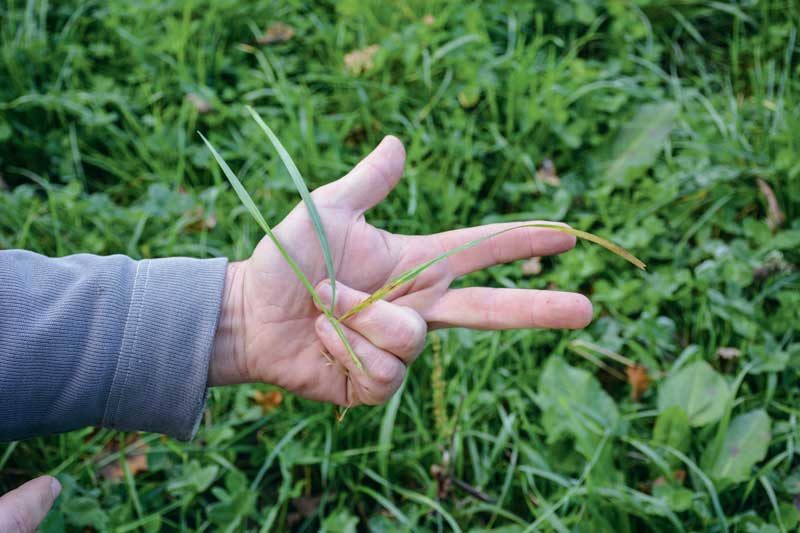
x=88 y=340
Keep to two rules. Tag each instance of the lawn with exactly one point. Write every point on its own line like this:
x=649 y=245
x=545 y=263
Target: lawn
x=671 y=128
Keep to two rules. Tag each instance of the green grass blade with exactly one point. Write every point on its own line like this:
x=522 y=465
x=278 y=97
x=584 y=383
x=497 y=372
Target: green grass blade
x=248 y=202
x=241 y=192
x=412 y=273
x=301 y=187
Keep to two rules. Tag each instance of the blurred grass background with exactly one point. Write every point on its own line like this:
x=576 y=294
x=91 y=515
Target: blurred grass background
x=650 y=123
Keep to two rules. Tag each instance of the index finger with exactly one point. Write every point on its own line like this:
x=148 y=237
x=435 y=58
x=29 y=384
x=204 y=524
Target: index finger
x=25 y=507
x=521 y=243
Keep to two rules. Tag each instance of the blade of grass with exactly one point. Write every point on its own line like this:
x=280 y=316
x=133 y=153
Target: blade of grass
x=412 y=273
x=697 y=471
x=248 y=202
x=301 y=187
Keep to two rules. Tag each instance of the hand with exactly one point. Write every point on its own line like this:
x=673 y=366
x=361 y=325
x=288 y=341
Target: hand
x=270 y=330
x=24 y=508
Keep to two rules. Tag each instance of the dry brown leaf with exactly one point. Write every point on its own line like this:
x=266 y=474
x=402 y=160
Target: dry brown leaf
x=547 y=173
x=775 y=217
x=305 y=507
x=727 y=352
x=135 y=459
x=269 y=400
x=199 y=103
x=638 y=380
x=678 y=475
x=362 y=60
x=201 y=221
x=532 y=266
x=276 y=33
x=774 y=262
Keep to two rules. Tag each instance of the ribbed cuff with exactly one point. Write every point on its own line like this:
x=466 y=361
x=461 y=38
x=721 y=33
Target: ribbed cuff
x=160 y=383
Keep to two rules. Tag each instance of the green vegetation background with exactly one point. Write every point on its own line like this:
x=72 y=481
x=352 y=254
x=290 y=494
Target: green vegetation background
x=658 y=117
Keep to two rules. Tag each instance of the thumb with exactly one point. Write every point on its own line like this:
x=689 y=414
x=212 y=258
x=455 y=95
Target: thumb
x=371 y=179
x=24 y=508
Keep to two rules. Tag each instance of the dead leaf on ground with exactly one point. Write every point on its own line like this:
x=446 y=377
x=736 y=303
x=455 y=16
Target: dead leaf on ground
x=638 y=380
x=679 y=476
x=775 y=262
x=532 y=266
x=359 y=133
x=135 y=458
x=728 y=352
x=201 y=221
x=361 y=60
x=199 y=103
x=276 y=33
x=775 y=217
x=547 y=173
x=269 y=400
x=444 y=482
x=306 y=505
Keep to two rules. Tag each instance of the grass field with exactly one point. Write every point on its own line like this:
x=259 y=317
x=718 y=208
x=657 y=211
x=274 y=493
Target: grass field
x=672 y=128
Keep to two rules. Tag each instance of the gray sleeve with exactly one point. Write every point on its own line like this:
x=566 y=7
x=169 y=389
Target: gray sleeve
x=88 y=340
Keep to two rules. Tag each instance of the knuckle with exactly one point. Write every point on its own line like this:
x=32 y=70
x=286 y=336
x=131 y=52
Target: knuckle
x=346 y=299
x=387 y=371
x=381 y=394
x=491 y=310
x=411 y=338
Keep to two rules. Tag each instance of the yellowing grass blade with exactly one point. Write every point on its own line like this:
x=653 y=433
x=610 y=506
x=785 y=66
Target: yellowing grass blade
x=412 y=273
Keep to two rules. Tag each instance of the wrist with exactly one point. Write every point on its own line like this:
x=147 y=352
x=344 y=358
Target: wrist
x=227 y=357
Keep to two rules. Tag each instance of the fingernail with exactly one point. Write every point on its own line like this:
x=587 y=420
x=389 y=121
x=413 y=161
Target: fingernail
x=55 y=488
x=324 y=291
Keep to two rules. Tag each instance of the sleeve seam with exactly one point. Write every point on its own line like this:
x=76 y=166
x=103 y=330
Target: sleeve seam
x=122 y=369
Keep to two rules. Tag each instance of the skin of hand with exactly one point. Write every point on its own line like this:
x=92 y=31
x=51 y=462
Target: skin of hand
x=270 y=330
x=24 y=508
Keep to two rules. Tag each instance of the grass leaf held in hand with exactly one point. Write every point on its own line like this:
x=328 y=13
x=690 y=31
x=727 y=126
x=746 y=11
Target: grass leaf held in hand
x=248 y=202
x=301 y=187
x=412 y=273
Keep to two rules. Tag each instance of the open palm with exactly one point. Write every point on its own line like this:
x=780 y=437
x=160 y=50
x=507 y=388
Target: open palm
x=271 y=331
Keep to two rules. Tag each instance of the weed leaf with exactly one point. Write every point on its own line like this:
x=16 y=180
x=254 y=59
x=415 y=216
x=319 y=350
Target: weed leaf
x=576 y=408
x=638 y=144
x=699 y=390
x=745 y=444
x=672 y=429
